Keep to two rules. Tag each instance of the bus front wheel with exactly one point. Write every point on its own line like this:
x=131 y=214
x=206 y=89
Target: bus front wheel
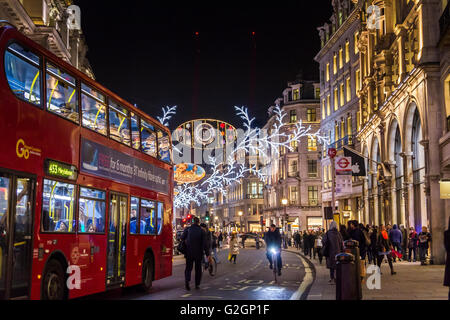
x=147 y=275
x=53 y=284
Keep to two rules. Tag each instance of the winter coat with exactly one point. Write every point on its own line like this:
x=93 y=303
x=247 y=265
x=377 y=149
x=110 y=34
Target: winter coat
x=333 y=242
x=426 y=238
x=412 y=240
x=196 y=242
x=395 y=235
x=358 y=235
x=383 y=245
x=234 y=246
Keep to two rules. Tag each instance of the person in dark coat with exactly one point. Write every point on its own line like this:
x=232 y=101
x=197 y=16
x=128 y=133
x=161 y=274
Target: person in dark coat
x=305 y=242
x=373 y=245
x=412 y=244
x=196 y=246
x=396 y=237
x=311 y=240
x=344 y=233
x=404 y=243
x=273 y=240
x=424 y=240
x=447 y=262
x=355 y=233
x=332 y=245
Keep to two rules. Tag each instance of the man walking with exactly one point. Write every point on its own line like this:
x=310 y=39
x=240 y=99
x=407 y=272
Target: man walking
x=396 y=237
x=196 y=246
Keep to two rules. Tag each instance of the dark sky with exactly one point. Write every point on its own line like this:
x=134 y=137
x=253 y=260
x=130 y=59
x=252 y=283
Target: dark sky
x=148 y=53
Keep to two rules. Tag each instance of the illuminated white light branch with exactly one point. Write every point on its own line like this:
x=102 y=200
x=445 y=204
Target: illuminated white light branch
x=167 y=115
x=253 y=141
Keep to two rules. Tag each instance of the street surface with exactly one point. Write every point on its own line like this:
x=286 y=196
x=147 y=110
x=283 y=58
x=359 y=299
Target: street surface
x=249 y=279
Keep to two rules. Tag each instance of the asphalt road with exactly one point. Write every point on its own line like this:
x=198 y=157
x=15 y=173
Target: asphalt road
x=249 y=279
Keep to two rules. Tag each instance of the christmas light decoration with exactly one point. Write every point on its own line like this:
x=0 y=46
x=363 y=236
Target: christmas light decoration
x=167 y=115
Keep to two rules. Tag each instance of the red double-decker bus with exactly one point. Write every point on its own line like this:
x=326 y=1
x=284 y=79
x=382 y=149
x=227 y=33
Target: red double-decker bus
x=86 y=181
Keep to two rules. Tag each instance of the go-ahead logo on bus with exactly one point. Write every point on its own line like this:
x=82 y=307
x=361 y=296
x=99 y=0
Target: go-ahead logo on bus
x=24 y=151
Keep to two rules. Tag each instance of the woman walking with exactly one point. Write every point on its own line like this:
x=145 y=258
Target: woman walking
x=332 y=245
x=234 y=248
x=384 y=247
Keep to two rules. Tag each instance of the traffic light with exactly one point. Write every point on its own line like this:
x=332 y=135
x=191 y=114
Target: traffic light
x=207 y=216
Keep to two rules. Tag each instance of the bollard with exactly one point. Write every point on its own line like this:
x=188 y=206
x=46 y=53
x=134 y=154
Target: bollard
x=346 y=287
x=352 y=247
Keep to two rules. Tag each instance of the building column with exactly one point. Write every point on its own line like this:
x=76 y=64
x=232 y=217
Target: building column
x=393 y=211
x=409 y=189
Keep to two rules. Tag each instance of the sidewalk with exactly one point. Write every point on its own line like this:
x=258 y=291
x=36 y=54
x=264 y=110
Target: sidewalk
x=412 y=282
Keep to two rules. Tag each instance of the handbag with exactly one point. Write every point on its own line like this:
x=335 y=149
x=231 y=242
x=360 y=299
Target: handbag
x=182 y=247
x=396 y=254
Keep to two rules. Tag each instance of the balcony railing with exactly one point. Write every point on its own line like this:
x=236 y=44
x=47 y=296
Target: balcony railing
x=345 y=141
x=254 y=196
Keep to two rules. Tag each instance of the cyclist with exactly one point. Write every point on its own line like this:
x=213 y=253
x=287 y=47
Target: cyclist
x=273 y=240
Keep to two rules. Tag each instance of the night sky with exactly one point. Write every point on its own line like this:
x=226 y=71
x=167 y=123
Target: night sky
x=149 y=54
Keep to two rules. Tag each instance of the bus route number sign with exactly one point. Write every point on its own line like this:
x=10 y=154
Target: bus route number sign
x=61 y=170
x=332 y=152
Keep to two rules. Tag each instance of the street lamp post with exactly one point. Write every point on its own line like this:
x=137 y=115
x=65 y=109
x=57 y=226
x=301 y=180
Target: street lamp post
x=240 y=220
x=284 y=202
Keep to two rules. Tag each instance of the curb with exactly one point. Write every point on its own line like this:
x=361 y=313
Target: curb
x=302 y=293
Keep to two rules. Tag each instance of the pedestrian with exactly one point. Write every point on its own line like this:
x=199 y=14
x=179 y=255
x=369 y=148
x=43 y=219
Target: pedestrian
x=396 y=237
x=344 y=233
x=318 y=247
x=234 y=248
x=355 y=233
x=243 y=237
x=384 y=247
x=373 y=245
x=312 y=240
x=196 y=248
x=215 y=245
x=404 y=243
x=220 y=239
x=305 y=242
x=412 y=244
x=424 y=239
x=297 y=240
x=273 y=241
x=332 y=245
x=447 y=261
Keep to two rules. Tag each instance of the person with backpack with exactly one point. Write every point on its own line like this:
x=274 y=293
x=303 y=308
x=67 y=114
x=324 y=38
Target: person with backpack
x=384 y=247
x=424 y=239
x=396 y=237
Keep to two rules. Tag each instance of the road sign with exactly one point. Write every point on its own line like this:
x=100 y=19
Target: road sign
x=343 y=165
x=332 y=152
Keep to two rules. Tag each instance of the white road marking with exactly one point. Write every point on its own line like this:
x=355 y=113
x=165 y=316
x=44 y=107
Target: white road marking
x=307 y=280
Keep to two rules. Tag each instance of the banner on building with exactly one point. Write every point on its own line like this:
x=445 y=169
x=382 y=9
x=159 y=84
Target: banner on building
x=343 y=185
x=358 y=163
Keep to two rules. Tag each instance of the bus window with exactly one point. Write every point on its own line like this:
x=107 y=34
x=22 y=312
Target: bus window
x=135 y=134
x=159 y=222
x=147 y=215
x=148 y=136
x=62 y=97
x=164 y=146
x=94 y=109
x=58 y=206
x=119 y=127
x=133 y=215
x=92 y=210
x=22 y=72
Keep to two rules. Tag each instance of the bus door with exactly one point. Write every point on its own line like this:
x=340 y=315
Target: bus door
x=118 y=208
x=16 y=225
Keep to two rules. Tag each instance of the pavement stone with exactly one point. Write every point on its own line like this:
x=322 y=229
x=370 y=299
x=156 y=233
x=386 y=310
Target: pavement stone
x=412 y=282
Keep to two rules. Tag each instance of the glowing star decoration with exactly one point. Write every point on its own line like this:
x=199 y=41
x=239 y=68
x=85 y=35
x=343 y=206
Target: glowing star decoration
x=253 y=141
x=167 y=115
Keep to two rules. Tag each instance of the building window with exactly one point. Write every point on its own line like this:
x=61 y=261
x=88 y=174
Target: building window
x=293 y=144
x=293 y=195
x=293 y=169
x=335 y=64
x=349 y=89
x=335 y=99
x=312 y=143
x=328 y=105
x=342 y=128
x=347 y=51
x=313 y=195
x=311 y=114
x=356 y=42
x=323 y=109
x=341 y=93
x=317 y=93
x=293 y=116
x=328 y=71
x=296 y=94
x=357 y=78
x=358 y=121
x=336 y=132
x=349 y=126
x=341 y=58
x=312 y=168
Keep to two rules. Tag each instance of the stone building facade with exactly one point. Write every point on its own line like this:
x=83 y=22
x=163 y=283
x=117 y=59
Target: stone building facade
x=295 y=174
x=46 y=22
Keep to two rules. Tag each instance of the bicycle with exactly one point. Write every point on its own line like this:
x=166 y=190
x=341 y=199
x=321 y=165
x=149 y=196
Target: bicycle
x=274 y=263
